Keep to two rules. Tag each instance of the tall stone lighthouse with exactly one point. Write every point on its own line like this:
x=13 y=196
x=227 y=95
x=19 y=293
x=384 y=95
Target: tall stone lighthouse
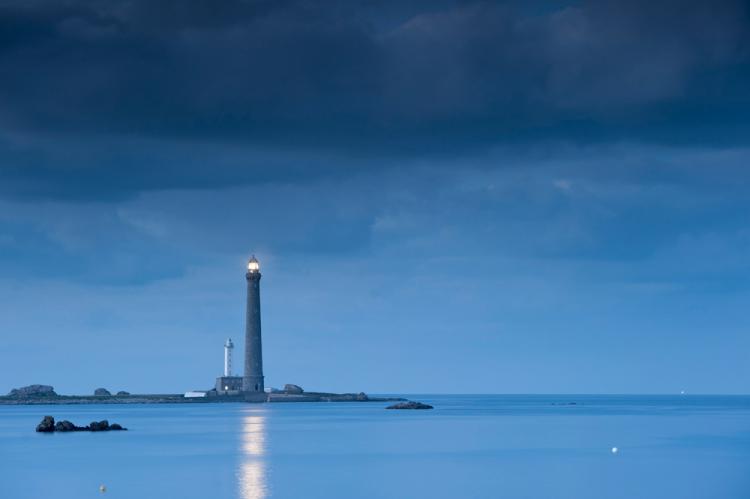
x=252 y=381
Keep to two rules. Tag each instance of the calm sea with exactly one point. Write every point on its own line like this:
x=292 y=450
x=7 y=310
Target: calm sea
x=669 y=447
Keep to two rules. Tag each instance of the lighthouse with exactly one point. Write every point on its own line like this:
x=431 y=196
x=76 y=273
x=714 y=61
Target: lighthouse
x=228 y=347
x=252 y=381
x=228 y=384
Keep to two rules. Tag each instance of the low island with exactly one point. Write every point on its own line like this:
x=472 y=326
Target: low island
x=46 y=395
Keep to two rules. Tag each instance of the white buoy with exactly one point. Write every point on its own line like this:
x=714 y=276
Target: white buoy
x=615 y=450
x=102 y=488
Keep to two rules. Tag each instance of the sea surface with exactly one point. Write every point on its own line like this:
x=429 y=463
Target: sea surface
x=520 y=446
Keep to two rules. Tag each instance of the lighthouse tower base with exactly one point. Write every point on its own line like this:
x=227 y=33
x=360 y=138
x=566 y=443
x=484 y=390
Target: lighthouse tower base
x=229 y=385
x=255 y=396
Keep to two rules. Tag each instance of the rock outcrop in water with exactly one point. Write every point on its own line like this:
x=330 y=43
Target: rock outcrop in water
x=293 y=389
x=409 y=405
x=122 y=393
x=33 y=391
x=66 y=425
x=99 y=425
x=102 y=392
x=48 y=425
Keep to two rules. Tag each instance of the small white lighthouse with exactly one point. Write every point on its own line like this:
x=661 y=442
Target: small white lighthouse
x=228 y=384
x=228 y=347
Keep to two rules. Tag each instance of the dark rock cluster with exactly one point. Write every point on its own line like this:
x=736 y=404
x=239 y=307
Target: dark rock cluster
x=66 y=425
x=102 y=392
x=294 y=389
x=48 y=425
x=33 y=391
x=409 y=405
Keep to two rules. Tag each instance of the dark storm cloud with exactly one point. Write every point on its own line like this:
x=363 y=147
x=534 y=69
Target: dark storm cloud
x=80 y=81
x=531 y=186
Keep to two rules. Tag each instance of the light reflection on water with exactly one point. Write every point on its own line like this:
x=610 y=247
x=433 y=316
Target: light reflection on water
x=253 y=480
x=531 y=447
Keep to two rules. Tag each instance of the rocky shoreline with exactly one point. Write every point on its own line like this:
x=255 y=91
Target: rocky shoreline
x=180 y=399
x=45 y=395
x=85 y=399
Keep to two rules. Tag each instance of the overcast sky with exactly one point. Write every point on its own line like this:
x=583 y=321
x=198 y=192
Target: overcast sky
x=445 y=196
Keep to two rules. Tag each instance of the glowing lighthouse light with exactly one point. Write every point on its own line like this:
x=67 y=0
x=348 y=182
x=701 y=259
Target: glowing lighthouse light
x=253 y=265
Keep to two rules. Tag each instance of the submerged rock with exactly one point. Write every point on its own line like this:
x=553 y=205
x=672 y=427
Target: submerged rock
x=295 y=389
x=47 y=425
x=33 y=391
x=115 y=426
x=409 y=405
x=102 y=392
